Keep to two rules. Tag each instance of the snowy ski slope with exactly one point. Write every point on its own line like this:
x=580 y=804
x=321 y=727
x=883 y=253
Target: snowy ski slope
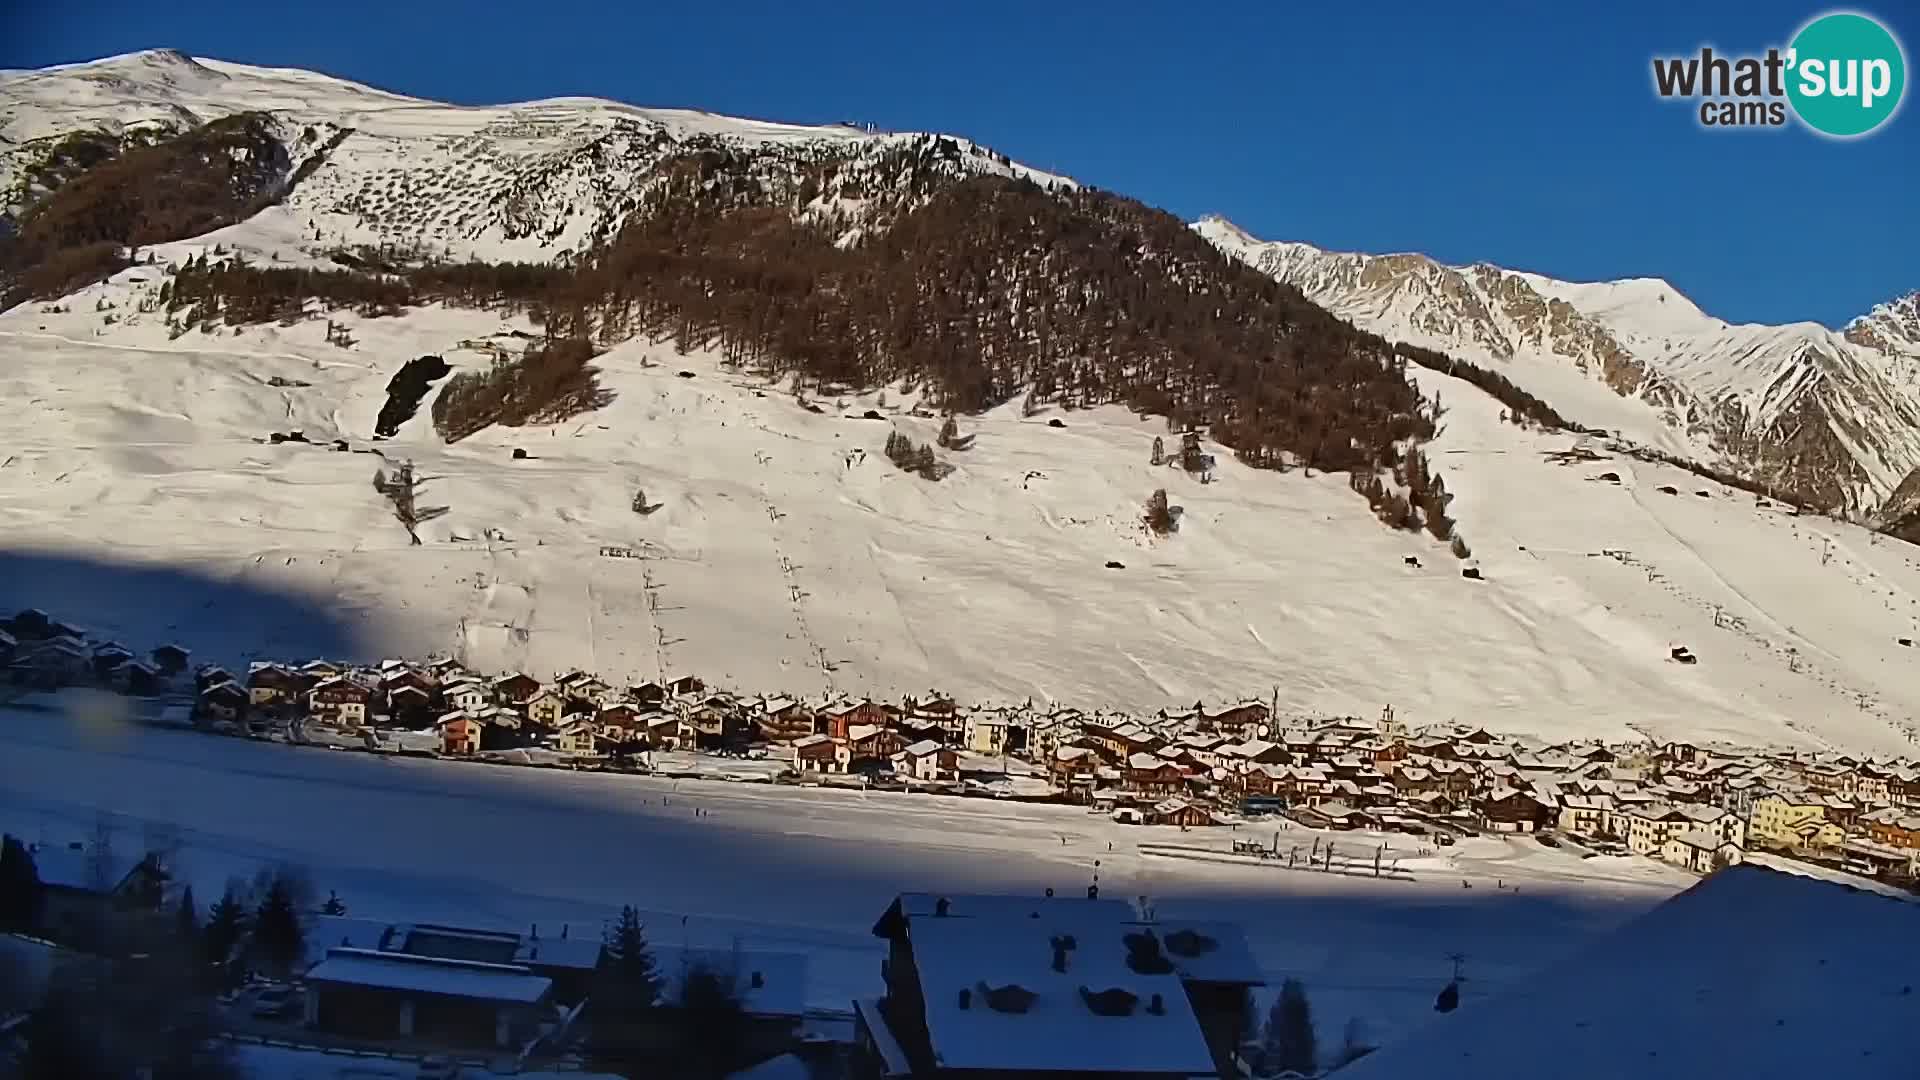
x=789 y=555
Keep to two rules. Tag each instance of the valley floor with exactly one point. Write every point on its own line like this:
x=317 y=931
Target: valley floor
x=791 y=869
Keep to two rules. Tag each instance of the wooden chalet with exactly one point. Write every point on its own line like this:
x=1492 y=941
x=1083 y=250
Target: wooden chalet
x=460 y=733
x=340 y=701
x=1153 y=776
x=783 y=719
x=1508 y=809
x=840 y=718
x=516 y=689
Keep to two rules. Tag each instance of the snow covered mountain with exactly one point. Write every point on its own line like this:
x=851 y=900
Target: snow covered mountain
x=787 y=554
x=1833 y=417
x=531 y=181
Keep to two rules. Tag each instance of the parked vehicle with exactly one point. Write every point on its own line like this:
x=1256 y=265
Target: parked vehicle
x=274 y=1001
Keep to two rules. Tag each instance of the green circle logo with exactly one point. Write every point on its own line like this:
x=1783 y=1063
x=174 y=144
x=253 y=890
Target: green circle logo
x=1845 y=74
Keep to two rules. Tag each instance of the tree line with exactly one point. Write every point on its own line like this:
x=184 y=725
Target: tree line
x=88 y=227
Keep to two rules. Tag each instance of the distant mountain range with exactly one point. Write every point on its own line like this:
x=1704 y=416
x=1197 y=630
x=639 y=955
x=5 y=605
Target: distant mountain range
x=1831 y=416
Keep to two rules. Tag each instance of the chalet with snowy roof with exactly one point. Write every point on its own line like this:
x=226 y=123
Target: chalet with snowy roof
x=1184 y=813
x=580 y=686
x=1007 y=986
x=109 y=655
x=1153 y=776
x=85 y=894
x=1072 y=767
x=409 y=706
x=869 y=747
x=321 y=669
x=1583 y=815
x=714 y=721
x=402 y=676
x=460 y=733
x=578 y=738
x=664 y=731
x=54 y=661
x=137 y=678
x=339 y=701
x=838 y=719
x=1509 y=809
x=516 y=689
x=1245 y=717
x=1333 y=814
x=222 y=701
x=1894 y=827
x=782 y=719
x=465 y=693
x=819 y=754
x=272 y=684
x=927 y=760
x=1700 y=851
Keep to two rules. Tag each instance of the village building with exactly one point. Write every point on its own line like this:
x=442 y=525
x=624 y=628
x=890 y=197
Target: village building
x=222 y=701
x=460 y=733
x=168 y=660
x=783 y=719
x=1507 y=809
x=339 y=701
x=465 y=693
x=1334 y=815
x=1700 y=851
x=1793 y=822
x=819 y=754
x=838 y=719
x=1892 y=827
x=88 y=893
x=664 y=731
x=1152 y=776
x=986 y=733
x=578 y=739
x=927 y=760
x=378 y=994
x=1004 y=986
x=409 y=706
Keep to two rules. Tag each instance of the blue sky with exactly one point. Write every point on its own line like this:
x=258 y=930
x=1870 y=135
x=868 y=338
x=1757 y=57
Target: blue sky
x=1523 y=134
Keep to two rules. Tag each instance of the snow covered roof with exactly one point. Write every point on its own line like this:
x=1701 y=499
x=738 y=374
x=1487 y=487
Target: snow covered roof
x=1695 y=838
x=917 y=906
x=812 y=740
x=860 y=732
x=67 y=868
x=1706 y=984
x=431 y=975
x=1059 y=1028
x=582 y=953
x=326 y=932
x=1209 y=951
x=765 y=983
x=922 y=748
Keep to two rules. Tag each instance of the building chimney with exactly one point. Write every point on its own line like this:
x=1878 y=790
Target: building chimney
x=940 y=907
x=966 y=998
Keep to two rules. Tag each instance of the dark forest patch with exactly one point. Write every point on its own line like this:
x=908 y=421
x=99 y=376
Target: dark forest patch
x=406 y=390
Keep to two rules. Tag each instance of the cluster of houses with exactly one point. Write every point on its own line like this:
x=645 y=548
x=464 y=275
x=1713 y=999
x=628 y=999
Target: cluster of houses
x=1699 y=807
